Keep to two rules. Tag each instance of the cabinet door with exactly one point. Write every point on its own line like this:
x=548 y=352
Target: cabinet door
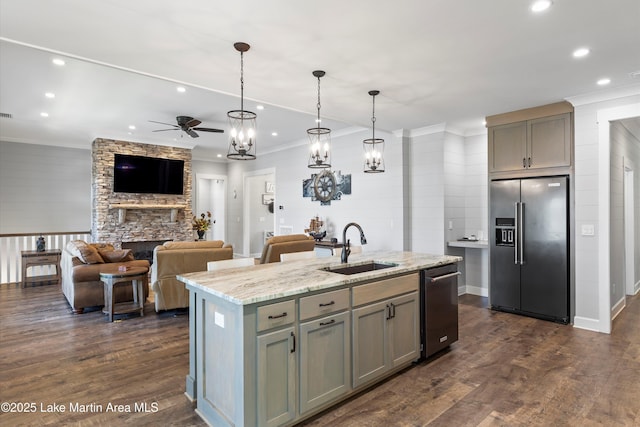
x=369 y=342
x=325 y=360
x=507 y=147
x=404 y=329
x=276 y=393
x=549 y=142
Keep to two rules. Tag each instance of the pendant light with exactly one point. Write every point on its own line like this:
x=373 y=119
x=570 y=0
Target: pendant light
x=373 y=147
x=319 y=138
x=242 y=123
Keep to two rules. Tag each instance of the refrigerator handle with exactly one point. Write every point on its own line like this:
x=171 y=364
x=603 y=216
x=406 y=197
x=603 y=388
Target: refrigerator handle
x=515 y=233
x=522 y=233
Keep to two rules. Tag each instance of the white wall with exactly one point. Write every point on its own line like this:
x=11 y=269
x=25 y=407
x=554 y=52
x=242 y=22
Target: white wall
x=375 y=203
x=592 y=287
x=44 y=188
x=625 y=150
x=476 y=213
x=427 y=191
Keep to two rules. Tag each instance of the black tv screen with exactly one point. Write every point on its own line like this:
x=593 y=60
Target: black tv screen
x=139 y=174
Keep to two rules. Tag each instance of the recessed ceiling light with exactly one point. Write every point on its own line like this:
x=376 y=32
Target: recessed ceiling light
x=540 y=5
x=43 y=114
x=274 y=133
x=260 y=107
x=50 y=95
x=604 y=81
x=219 y=155
x=181 y=89
x=582 y=52
x=58 y=61
x=132 y=127
x=484 y=123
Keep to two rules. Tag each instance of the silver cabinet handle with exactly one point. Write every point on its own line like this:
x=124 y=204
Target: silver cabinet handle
x=522 y=233
x=445 y=276
x=517 y=225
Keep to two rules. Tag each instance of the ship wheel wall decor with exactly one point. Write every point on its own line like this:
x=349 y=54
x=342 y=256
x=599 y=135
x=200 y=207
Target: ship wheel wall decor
x=326 y=186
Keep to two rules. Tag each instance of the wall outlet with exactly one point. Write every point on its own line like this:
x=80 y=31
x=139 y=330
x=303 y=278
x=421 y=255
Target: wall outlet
x=588 y=230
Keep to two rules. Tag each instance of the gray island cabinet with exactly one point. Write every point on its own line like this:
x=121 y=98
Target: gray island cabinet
x=273 y=344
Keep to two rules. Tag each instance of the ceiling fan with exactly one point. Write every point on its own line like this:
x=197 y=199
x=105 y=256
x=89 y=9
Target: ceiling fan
x=188 y=125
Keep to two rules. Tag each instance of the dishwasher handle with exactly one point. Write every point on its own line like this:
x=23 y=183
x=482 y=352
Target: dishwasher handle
x=443 y=277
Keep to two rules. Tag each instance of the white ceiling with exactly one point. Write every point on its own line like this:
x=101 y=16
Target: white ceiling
x=434 y=61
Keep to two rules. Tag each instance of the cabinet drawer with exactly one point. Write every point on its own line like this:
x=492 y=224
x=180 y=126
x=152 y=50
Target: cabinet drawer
x=42 y=259
x=328 y=302
x=274 y=315
x=386 y=288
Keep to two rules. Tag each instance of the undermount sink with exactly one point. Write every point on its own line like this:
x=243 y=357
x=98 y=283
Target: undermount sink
x=360 y=268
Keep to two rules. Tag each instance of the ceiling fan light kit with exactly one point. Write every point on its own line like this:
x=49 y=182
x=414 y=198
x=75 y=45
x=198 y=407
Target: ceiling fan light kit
x=319 y=138
x=242 y=123
x=373 y=147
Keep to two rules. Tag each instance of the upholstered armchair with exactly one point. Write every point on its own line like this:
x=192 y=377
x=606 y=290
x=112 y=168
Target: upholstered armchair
x=285 y=244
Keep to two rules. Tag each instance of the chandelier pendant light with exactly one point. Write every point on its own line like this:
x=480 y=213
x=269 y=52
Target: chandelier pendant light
x=242 y=123
x=319 y=138
x=373 y=147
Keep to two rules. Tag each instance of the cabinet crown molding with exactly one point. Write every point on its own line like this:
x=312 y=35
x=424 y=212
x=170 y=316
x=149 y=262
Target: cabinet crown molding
x=530 y=113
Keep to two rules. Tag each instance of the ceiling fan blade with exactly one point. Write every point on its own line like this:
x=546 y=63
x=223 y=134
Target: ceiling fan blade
x=163 y=123
x=209 y=130
x=162 y=130
x=193 y=122
x=191 y=133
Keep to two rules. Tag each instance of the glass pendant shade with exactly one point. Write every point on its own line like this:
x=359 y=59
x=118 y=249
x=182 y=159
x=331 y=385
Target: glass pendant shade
x=373 y=147
x=242 y=135
x=319 y=138
x=242 y=123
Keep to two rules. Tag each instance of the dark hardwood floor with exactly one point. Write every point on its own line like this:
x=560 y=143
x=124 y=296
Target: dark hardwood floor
x=505 y=370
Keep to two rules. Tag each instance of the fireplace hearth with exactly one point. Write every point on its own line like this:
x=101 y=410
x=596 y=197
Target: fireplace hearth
x=143 y=249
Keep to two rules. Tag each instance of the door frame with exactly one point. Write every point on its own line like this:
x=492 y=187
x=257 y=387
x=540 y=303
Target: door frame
x=198 y=204
x=246 y=203
x=629 y=227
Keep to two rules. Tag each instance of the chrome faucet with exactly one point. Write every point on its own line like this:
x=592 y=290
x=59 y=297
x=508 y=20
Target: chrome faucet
x=346 y=245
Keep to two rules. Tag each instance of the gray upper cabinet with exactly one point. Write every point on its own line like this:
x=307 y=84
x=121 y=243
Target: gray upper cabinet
x=549 y=142
x=507 y=147
x=531 y=144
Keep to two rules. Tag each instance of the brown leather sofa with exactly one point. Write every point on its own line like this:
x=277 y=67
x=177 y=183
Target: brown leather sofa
x=173 y=258
x=81 y=264
x=285 y=244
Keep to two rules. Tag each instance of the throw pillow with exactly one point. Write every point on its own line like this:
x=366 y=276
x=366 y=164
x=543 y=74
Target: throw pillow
x=85 y=253
x=115 y=255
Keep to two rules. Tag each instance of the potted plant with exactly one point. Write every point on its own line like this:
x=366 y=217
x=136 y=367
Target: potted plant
x=202 y=224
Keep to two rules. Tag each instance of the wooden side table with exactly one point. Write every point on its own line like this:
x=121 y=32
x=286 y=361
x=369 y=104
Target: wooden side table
x=137 y=277
x=39 y=259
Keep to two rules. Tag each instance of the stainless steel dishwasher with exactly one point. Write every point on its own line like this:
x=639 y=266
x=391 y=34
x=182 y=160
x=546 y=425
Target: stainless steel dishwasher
x=438 y=308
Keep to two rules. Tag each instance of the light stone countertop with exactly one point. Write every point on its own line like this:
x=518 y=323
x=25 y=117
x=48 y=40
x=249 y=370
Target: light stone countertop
x=264 y=282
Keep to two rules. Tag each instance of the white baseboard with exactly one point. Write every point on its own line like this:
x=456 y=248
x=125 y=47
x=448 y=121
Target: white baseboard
x=636 y=288
x=618 y=307
x=475 y=290
x=586 y=323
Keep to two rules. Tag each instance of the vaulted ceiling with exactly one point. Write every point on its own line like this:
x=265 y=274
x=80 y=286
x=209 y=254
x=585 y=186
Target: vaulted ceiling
x=434 y=61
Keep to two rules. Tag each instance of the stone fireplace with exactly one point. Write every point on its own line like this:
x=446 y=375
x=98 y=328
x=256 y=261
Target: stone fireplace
x=133 y=217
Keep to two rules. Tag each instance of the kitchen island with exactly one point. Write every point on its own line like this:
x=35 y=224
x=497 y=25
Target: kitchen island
x=277 y=343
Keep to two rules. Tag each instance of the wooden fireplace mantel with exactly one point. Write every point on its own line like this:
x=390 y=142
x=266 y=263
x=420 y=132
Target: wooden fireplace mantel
x=123 y=207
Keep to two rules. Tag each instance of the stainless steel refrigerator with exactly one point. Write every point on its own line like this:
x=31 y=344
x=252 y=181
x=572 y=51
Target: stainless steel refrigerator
x=529 y=253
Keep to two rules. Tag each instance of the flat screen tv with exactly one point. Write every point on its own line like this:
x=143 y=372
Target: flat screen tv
x=139 y=174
